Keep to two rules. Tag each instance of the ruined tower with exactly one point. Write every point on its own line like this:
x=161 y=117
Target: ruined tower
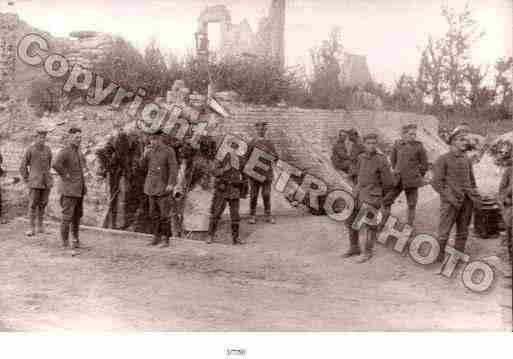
x=277 y=30
x=237 y=39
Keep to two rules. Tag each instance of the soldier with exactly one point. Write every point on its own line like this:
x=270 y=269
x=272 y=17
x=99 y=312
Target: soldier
x=115 y=164
x=69 y=165
x=373 y=183
x=35 y=171
x=409 y=164
x=160 y=163
x=230 y=185
x=505 y=198
x=264 y=144
x=1 y=175
x=345 y=153
x=453 y=179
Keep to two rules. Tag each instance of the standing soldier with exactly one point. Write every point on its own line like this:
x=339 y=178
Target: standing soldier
x=230 y=186
x=115 y=165
x=1 y=175
x=505 y=198
x=345 y=153
x=69 y=165
x=409 y=164
x=264 y=144
x=373 y=183
x=35 y=171
x=159 y=161
x=453 y=179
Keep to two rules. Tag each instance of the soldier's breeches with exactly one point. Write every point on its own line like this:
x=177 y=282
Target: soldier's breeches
x=256 y=187
x=412 y=195
x=159 y=208
x=72 y=208
x=38 y=200
x=219 y=203
x=450 y=216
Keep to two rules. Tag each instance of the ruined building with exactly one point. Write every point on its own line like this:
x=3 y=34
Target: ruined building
x=269 y=40
x=237 y=39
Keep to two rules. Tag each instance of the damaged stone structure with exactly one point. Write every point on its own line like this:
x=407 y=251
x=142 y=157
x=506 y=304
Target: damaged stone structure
x=237 y=39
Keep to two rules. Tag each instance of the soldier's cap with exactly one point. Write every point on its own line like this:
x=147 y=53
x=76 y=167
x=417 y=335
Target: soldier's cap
x=459 y=130
x=410 y=126
x=74 y=129
x=369 y=136
x=261 y=124
x=352 y=132
x=156 y=133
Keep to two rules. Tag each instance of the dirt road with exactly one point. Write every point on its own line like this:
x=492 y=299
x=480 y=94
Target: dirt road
x=289 y=276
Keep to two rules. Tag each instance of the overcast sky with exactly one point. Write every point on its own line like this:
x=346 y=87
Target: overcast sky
x=389 y=32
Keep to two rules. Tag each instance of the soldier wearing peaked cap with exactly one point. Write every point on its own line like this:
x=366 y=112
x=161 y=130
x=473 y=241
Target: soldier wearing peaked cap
x=410 y=164
x=453 y=179
x=373 y=183
x=70 y=165
x=345 y=153
x=264 y=144
x=159 y=161
x=35 y=171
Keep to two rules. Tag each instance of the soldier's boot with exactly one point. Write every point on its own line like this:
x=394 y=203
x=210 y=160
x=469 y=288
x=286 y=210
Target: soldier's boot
x=166 y=233
x=441 y=254
x=212 y=227
x=252 y=219
x=269 y=218
x=411 y=216
x=114 y=220
x=369 y=246
x=156 y=235
x=235 y=234
x=177 y=227
x=40 y=221
x=75 y=228
x=65 y=226
x=32 y=231
x=385 y=212
x=354 y=246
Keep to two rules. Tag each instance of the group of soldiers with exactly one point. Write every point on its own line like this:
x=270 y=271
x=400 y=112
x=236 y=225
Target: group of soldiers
x=142 y=171
x=378 y=181
x=150 y=163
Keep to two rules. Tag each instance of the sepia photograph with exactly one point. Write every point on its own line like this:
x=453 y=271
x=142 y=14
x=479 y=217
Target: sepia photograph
x=269 y=166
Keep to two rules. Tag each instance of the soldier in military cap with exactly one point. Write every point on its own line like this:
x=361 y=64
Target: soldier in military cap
x=453 y=179
x=264 y=144
x=159 y=161
x=505 y=196
x=409 y=164
x=230 y=185
x=345 y=153
x=35 y=171
x=69 y=165
x=373 y=183
x=116 y=165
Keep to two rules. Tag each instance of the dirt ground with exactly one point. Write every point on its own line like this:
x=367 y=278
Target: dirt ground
x=289 y=276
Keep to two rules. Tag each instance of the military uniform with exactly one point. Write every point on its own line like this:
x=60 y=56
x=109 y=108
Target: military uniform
x=505 y=199
x=256 y=186
x=115 y=162
x=374 y=181
x=228 y=189
x=160 y=164
x=35 y=171
x=345 y=159
x=1 y=174
x=453 y=179
x=69 y=165
x=410 y=164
